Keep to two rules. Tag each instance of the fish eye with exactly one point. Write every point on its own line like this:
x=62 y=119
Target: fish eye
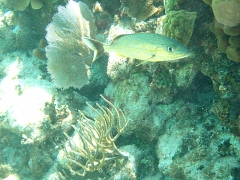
x=170 y=49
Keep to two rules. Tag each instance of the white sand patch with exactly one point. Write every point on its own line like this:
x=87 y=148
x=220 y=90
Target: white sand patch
x=23 y=94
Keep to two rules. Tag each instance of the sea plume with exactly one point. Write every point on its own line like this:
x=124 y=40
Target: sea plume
x=68 y=57
x=93 y=144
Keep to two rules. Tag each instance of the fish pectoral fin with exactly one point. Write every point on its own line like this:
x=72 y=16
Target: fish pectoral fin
x=120 y=55
x=147 y=60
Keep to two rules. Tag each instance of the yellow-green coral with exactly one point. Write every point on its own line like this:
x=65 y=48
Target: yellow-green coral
x=179 y=25
x=17 y=5
x=170 y=5
x=20 y=5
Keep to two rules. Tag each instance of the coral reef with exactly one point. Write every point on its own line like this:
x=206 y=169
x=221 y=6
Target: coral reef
x=21 y=5
x=140 y=9
x=68 y=58
x=39 y=52
x=26 y=28
x=139 y=115
x=179 y=25
x=17 y=5
x=36 y=4
x=31 y=113
x=183 y=117
x=227 y=40
x=93 y=145
x=18 y=117
x=171 y=5
x=227 y=12
x=5 y=170
x=226 y=26
x=193 y=142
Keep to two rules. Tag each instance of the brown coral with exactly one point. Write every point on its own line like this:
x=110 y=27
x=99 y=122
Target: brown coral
x=226 y=26
x=227 y=40
x=140 y=9
x=68 y=57
x=227 y=12
x=36 y=4
x=38 y=53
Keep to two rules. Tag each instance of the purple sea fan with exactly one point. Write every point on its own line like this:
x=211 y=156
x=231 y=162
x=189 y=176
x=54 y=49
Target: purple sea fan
x=68 y=58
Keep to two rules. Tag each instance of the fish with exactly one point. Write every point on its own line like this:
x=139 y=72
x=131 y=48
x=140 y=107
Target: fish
x=148 y=47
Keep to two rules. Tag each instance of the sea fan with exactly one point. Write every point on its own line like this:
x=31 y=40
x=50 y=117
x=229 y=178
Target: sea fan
x=68 y=57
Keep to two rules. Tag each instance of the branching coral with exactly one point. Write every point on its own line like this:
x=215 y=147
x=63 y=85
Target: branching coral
x=96 y=144
x=68 y=57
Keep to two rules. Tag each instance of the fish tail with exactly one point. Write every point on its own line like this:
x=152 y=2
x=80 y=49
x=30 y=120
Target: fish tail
x=95 y=46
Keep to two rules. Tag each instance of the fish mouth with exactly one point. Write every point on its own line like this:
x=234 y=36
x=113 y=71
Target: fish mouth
x=187 y=54
x=184 y=56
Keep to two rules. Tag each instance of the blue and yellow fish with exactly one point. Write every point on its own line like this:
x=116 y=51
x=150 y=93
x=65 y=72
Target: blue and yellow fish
x=148 y=47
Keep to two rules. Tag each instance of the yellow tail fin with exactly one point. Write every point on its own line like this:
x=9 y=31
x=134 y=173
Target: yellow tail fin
x=95 y=46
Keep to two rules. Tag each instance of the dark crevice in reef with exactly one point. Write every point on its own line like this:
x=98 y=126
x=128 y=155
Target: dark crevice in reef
x=200 y=91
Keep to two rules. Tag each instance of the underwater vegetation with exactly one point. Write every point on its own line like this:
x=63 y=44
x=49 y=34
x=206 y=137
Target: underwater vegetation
x=67 y=115
x=93 y=145
x=68 y=58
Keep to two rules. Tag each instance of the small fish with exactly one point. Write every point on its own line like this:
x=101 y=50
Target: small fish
x=148 y=47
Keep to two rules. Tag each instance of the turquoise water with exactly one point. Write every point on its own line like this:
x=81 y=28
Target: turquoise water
x=157 y=120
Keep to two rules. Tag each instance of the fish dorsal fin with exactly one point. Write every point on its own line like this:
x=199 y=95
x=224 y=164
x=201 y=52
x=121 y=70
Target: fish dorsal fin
x=118 y=37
